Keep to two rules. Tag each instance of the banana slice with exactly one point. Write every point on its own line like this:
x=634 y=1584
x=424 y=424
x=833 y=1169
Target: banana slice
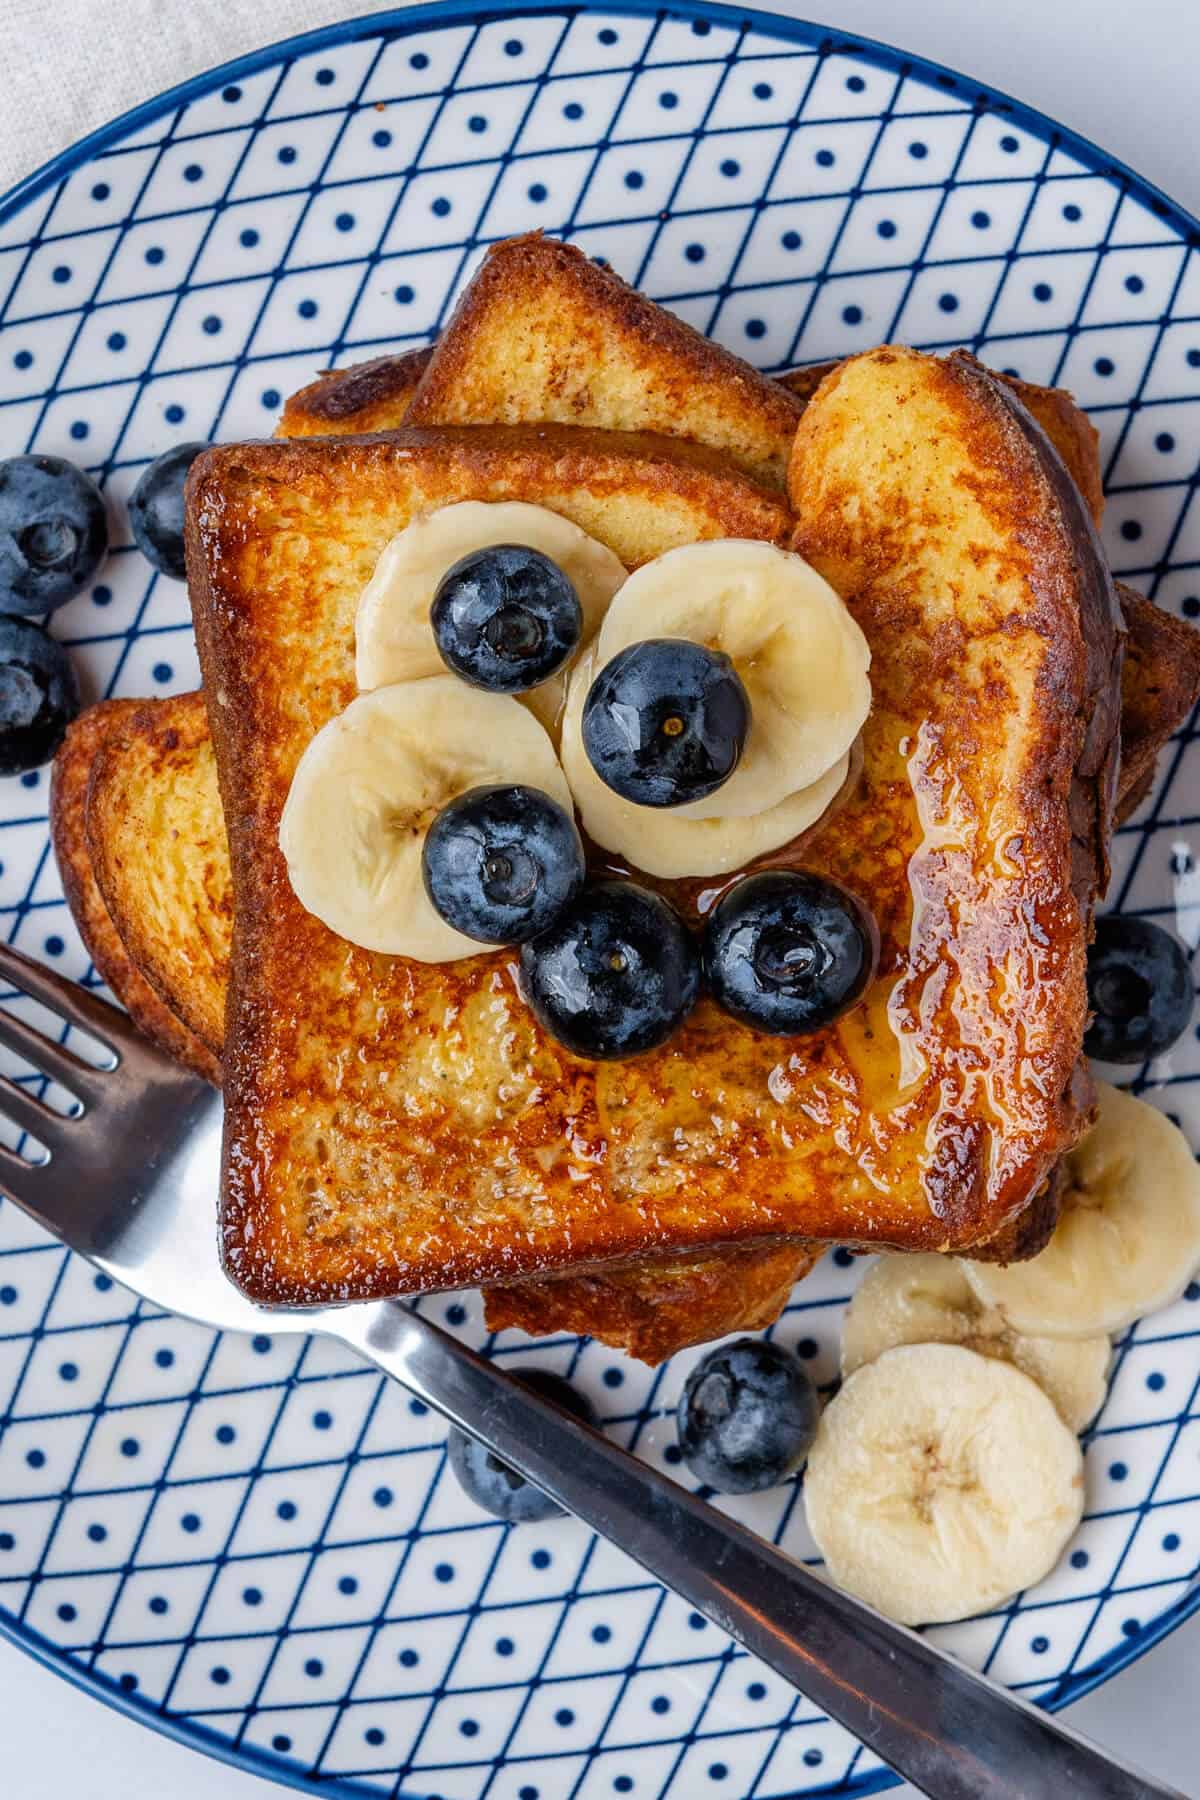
x=1128 y=1239
x=800 y=655
x=941 y=1483
x=659 y=840
x=369 y=786
x=928 y=1300
x=393 y=638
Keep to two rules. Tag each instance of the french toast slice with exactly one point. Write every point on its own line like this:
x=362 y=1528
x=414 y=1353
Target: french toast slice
x=698 y=1138
x=367 y=396
x=390 y=1126
x=542 y=333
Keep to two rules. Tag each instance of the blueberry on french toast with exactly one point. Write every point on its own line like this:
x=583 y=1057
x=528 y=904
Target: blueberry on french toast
x=787 y=951
x=666 y=721
x=506 y=618
x=501 y=864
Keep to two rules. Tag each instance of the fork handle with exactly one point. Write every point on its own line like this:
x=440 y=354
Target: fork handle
x=953 y=1733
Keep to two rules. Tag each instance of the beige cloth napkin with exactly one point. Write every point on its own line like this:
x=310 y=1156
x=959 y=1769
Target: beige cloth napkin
x=67 y=66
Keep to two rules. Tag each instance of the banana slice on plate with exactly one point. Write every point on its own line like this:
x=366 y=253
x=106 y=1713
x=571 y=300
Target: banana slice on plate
x=393 y=637
x=928 y=1300
x=941 y=1483
x=1128 y=1238
x=802 y=659
x=657 y=839
x=369 y=786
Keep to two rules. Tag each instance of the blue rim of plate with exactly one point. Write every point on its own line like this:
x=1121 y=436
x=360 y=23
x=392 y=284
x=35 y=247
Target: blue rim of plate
x=405 y=22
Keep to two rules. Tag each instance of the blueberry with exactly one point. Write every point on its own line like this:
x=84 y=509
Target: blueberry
x=787 y=952
x=1139 y=988
x=39 y=695
x=501 y=863
x=615 y=974
x=53 y=533
x=156 y=509
x=506 y=618
x=665 y=722
x=747 y=1416
x=489 y=1482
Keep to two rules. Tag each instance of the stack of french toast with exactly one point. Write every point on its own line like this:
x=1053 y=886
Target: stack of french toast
x=397 y=1125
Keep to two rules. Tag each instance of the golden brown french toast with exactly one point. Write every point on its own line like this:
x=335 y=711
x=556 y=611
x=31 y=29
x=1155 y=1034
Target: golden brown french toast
x=542 y=333
x=275 y=585
x=367 y=396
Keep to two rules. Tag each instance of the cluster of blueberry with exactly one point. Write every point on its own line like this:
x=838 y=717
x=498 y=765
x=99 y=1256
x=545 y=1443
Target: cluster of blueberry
x=609 y=967
x=53 y=538
x=746 y=1421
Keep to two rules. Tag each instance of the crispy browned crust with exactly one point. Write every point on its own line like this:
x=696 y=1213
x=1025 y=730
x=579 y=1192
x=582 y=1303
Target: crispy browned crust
x=357 y=1161
x=367 y=396
x=160 y=857
x=594 y=351
x=1160 y=686
x=997 y=718
x=653 y=1311
x=68 y=834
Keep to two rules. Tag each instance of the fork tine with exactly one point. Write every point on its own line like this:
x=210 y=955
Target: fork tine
x=28 y=1113
x=66 y=998
x=50 y=1058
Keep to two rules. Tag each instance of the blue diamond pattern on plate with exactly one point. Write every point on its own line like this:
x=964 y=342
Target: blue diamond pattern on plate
x=260 y=1543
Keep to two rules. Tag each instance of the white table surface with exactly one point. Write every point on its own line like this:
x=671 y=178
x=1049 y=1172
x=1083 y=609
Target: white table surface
x=1124 y=75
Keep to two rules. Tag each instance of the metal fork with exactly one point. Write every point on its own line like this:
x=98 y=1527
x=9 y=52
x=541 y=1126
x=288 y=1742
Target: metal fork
x=131 y=1182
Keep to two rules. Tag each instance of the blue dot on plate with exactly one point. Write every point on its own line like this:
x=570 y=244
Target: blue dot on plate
x=116 y=340
x=1134 y=284
x=322 y=1419
x=418 y=1408
x=314 y=1667
x=813 y=1758
x=158 y=1605
x=381 y=139
x=130 y=1446
x=762 y=90
x=347 y=1585
x=61 y=274
x=540 y=1559
x=623 y=1783
x=54 y=945
x=855 y=83
x=174 y=413
x=193 y=172
x=613 y=1377
x=281 y=1742
x=469 y=1727
x=791 y=240
x=1171 y=1541
x=886 y=228
x=1104 y=365
x=102 y=1283
x=164 y=1358
x=1193 y=359
x=323 y=77
x=756 y=1691
x=155 y=254
x=1192 y=1290
x=601 y=1634
x=383 y=1496
x=1039 y=1645
x=607 y=36
x=260 y=1345
x=68 y=1371
x=162 y=671
x=513 y=47
x=1131 y=1627
x=404 y=294
x=1043 y=291
x=8 y=1295
x=286 y=1510
x=344 y=221
x=756 y=328
x=668 y=100
x=79 y=430
x=572 y=110
x=1072 y=213
x=1131 y=530
x=271 y=398
x=418 y=60
x=190 y=1523
x=825 y=159
x=717 y=1771
x=128 y=1683
x=852 y=315
x=7 y=1541
x=504 y=1646
x=1009 y=144
x=1156 y=1382
x=286 y=154
x=252 y=1596
x=564 y=1716
x=634 y=179
x=408 y=1659
x=918 y=150
x=538 y=192
x=231 y=95
x=210 y=325
x=373 y=1736
x=444 y=1572
x=660 y=1704
x=67 y=1613
x=1118 y=1471
x=307 y=309
x=477 y=123
x=948 y=303
x=101 y=191
x=1164 y=442
x=23 y=359
x=96 y=1534
x=37 y=1458
x=730 y=168
x=440 y=207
